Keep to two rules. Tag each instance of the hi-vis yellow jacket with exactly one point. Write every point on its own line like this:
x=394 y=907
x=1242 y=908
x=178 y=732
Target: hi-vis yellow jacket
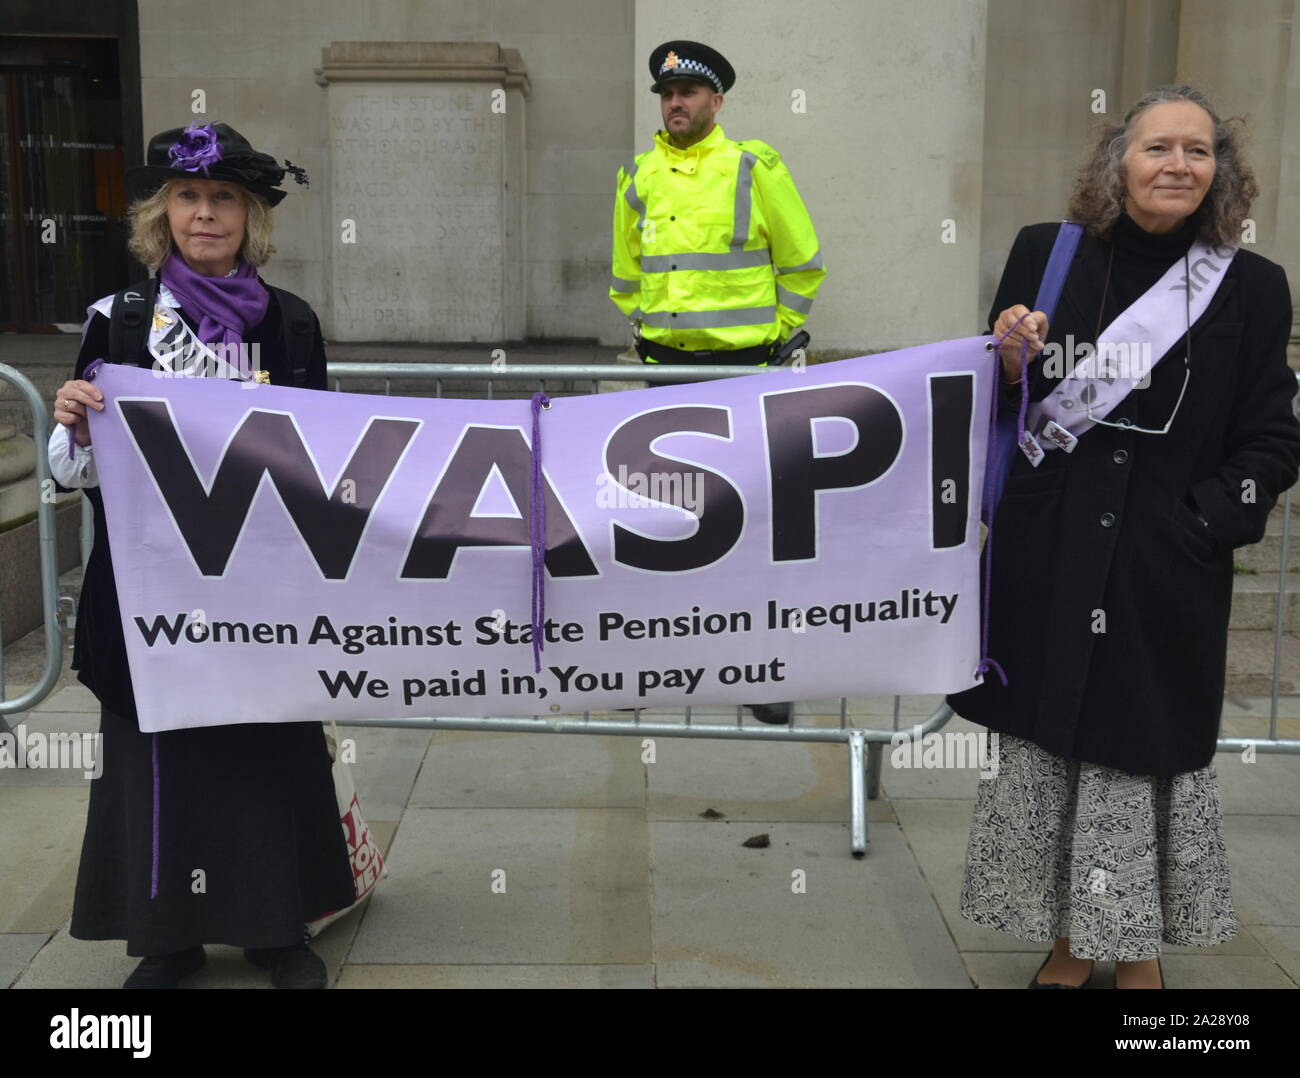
x=713 y=248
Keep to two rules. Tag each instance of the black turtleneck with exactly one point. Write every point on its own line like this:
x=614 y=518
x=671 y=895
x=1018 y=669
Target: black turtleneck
x=1140 y=259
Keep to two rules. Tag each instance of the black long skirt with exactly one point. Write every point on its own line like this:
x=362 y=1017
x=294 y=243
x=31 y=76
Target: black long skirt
x=248 y=843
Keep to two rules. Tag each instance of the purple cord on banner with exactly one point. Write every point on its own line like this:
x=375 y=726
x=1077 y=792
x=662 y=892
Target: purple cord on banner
x=537 y=530
x=986 y=661
x=157 y=814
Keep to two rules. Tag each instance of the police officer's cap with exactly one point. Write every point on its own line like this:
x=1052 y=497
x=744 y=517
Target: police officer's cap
x=690 y=60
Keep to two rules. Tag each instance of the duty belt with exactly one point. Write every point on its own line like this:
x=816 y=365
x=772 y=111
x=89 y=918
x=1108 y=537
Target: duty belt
x=755 y=356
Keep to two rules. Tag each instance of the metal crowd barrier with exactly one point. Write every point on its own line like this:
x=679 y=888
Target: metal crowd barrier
x=47 y=537
x=865 y=744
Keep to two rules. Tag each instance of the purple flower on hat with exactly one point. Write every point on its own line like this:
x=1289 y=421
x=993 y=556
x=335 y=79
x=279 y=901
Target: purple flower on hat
x=197 y=149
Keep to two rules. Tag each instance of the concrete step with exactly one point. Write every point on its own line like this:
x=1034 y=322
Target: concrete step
x=1250 y=663
x=1254 y=601
x=1264 y=556
x=48 y=370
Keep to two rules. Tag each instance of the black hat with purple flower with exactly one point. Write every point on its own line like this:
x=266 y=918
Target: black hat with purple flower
x=211 y=152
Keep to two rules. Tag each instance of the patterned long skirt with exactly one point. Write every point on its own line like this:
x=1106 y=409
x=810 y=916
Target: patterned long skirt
x=1119 y=863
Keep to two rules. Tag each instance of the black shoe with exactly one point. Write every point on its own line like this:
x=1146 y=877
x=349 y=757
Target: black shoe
x=291 y=967
x=166 y=970
x=773 y=714
x=1036 y=983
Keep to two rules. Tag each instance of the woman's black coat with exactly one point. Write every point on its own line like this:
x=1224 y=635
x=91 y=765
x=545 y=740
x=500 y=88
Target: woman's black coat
x=1110 y=598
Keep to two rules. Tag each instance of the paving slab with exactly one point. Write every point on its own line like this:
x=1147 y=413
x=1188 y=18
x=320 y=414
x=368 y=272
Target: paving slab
x=1238 y=704
x=65 y=962
x=386 y=764
x=521 y=770
x=16 y=950
x=78 y=722
x=576 y=889
x=1282 y=944
x=41 y=844
x=1270 y=785
x=499 y=976
x=752 y=780
x=1262 y=857
x=71 y=697
x=1224 y=971
x=729 y=916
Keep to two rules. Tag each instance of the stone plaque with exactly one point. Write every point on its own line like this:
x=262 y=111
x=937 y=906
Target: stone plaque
x=422 y=211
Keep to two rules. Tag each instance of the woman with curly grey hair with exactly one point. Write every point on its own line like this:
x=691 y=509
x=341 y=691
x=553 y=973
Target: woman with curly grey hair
x=221 y=834
x=1159 y=432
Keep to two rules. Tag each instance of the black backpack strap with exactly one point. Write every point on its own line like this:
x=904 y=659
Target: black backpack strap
x=296 y=316
x=128 y=331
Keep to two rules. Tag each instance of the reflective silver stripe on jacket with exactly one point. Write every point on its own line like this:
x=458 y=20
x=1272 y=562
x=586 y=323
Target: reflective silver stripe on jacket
x=793 y=300
x=620 y=284
x=813 y=263
x=744 y=200
x=632 y=198
x=705 y=260
x=735 y=316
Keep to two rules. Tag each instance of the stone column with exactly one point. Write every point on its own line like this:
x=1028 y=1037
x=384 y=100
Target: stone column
x=427 y=184
x=1244 y=56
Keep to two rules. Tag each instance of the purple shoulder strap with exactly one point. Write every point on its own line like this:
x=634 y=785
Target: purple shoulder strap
x=1058 y=267
x=1005 y=437
x=1004 y=429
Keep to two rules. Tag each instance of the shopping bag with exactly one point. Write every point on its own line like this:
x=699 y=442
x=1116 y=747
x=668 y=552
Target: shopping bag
x=363 y=852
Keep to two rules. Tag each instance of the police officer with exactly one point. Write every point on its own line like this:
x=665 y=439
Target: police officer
x=715 y=257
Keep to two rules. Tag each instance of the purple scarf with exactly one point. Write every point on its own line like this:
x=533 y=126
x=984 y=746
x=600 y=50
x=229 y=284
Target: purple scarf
x=225 y=307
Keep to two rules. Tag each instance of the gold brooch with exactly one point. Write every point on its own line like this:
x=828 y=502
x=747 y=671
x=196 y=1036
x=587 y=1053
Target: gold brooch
x=161 y=319
x=262 y=378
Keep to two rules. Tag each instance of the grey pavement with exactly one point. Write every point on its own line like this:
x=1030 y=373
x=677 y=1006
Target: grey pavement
x=541 y=860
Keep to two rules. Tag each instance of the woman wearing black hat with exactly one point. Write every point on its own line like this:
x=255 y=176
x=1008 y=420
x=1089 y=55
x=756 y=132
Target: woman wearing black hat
x=224 y=834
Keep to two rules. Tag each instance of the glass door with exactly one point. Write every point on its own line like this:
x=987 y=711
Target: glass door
x=61 y=188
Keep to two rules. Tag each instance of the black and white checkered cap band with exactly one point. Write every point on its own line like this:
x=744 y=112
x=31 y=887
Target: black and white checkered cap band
x=691 y=67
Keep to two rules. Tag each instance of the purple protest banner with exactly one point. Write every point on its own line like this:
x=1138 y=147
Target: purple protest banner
x=284 y=555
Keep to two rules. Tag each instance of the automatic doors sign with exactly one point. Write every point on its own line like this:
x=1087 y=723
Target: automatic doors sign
x=282 y=554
